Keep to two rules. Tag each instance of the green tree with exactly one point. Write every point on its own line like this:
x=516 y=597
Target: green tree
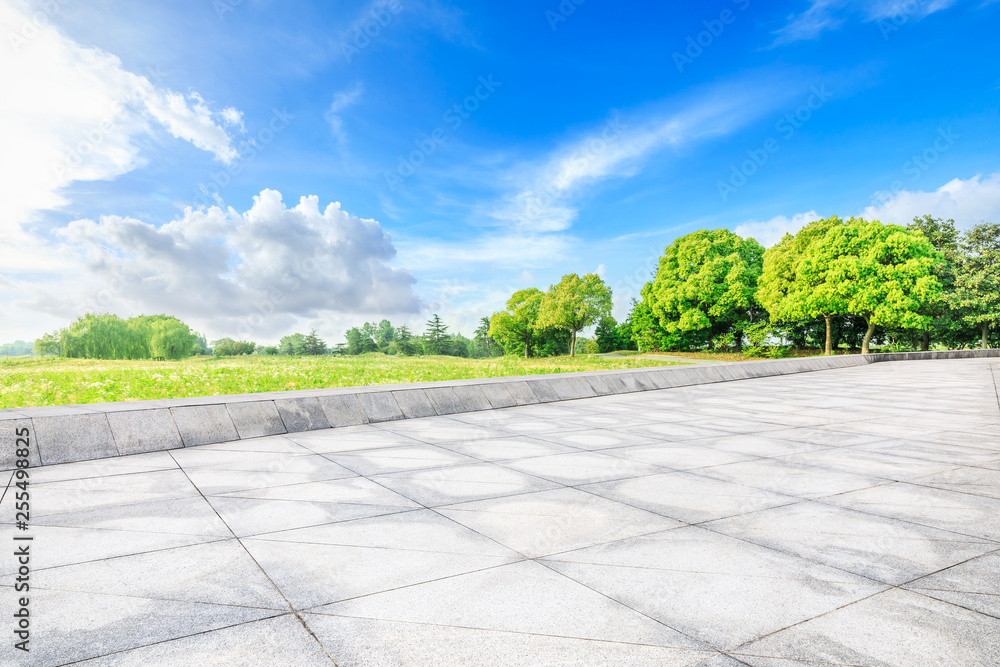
x=883 y=274
x=384 y=334
x=292 y=344
x=706 y=282
x=978 y=279
x=610 y=336
x=312 y=344
x=200 y=345
x=645 y=329
x=944 y=237
x=515 y=327
x=784 y=290
x=483 y=339
x=369 y=337
x=575 y=303
x=171 y=339
x=47 y=345
x=227 y=347
x=404 y=343
x=436 y=336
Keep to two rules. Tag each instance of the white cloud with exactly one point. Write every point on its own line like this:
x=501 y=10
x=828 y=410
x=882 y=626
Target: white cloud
x=545 y=200
x=251 y=274
x=968 y=202
x=341 y=101
x=72 y=113
x=769 y=232
x=809 y=24
x=823 y=15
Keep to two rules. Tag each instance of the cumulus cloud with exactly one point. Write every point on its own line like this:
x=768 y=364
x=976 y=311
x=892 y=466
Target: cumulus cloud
x=72 y=113
x=769 y=232
x=968 y=202
x=250 y=273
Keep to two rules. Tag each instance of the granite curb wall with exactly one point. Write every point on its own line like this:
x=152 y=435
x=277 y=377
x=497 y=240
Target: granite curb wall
x=63 y=434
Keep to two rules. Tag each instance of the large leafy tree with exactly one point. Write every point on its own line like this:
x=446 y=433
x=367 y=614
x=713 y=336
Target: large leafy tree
x=706 y=283
x=883 y=274
x=944 y=237
x=515 y=327
x=788 y=292
x=170 y=338
x=978 y=278
x=575 y=303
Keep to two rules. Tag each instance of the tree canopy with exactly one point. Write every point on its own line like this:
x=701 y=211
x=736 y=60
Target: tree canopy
x=515 y=327
x=575 y=303
x=978 y=279
x=883 y=274
x=706 y=282
x=785 y=289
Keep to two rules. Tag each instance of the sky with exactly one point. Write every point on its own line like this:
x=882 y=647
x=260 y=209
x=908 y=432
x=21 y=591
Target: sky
x=258 y=168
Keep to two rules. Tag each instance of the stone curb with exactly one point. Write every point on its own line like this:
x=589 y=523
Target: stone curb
x=69 y=433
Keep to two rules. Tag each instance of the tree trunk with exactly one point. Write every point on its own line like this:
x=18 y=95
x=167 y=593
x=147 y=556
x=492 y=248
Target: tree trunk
x=868 y=336
x=985 y=343
x=925 y=343
x=572 y=346
x=828 y=348
x=525 y=349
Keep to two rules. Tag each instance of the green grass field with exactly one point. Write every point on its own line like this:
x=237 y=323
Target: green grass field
x=55 y=381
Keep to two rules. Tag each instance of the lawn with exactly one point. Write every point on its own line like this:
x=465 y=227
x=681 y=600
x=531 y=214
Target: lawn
x=56 y=381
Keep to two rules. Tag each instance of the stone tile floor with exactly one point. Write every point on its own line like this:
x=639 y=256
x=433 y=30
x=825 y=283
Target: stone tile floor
x=845 y=517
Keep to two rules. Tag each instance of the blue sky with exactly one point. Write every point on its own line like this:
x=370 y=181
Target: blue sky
x=156 y=153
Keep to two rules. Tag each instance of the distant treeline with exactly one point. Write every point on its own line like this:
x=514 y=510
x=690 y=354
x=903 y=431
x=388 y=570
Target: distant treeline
x=18 y=348
x=834 y=284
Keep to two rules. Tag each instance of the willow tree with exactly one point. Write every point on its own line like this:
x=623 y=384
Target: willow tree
x=575 y=303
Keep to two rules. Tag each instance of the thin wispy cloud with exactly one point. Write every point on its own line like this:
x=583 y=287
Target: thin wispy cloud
x=824 y=15
x=341 y=101
x=619 y=148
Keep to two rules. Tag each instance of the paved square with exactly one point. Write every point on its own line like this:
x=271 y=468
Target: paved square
x=842 y=517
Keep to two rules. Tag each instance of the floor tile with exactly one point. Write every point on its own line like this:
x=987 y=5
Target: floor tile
x=548 y=522
x=892 y=629
x=523 y=597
